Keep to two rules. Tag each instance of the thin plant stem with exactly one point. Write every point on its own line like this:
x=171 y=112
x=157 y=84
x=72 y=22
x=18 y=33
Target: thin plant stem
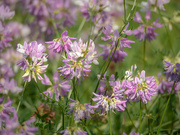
x=62 y=120
x=166 y=108
x=74 y=89
x=72 y=119
x=140 y=117
x=21 y=96
x=124 y=10
x=130 y=118
x=55 y=28
x=144 y=50
x=147 y=119
x=110 y=129
x=81 y=26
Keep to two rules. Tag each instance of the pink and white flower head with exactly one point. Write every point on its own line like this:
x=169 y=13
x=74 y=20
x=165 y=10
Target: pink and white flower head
x=111 y=95
x=5 y=13
x=6 y=109
x=166 y=86
x=172 y=71
x=33 y=60
x=32 y=50
x=145 y=30
x=61 y=44
x=107 y=103
x=57 y=87
x=78 y=60
x=80 y=50
x=9 y=85
x=132 y=133
x=154 y=3
x=141 y=88
x=81 y=111
x=34 y=69
x=121 y=42
x=73 y=131
x=5 y=37
x=104 y=84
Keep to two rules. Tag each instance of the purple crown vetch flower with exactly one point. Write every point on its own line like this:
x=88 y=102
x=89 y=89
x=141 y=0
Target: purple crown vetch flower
x=107 y=103
x=145 y=30
x=81 y=111
x=33 y=60
x=9 y=85
x=34 y=69
x=32 y=50
x=5 y=13
x=58 y=87
x=114 y=36
x=132 y=133
x=61 y=44
x=111 y=95
x=172 y=71
x=5 y=110
x=141 y=88
x=155 y=4
x=73 y=131
x=165 y=85
x=79 y=59
x=5 y=37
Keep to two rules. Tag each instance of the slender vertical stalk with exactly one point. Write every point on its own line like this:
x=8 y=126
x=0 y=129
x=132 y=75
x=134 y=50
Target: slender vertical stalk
x=166 y=108
x=124 y=10
x=130 y=118
x=148 y=120
x=62 y=120
x=21 y=96
x=110 y=130
x=55 y=28
x=74 y=89
x=81 y=26
x=140 y=117
x=144 y=50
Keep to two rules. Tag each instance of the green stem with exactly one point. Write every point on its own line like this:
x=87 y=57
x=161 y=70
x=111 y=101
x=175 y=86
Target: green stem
x=21 y=96
x=140 y=117
x=62 y=120
x=124 y=10
x=74 y=89
x=110 y=130
x=81 y=26
x=130 y=118
x=55 y=28
x=144 y=50
x=72 y=119
x=148 y=120
x=166 y=108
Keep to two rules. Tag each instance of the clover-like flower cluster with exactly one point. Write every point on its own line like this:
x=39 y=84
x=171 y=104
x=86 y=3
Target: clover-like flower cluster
x=118 y=42
x=78 y=56
x=145 y=30
x=33 y=60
